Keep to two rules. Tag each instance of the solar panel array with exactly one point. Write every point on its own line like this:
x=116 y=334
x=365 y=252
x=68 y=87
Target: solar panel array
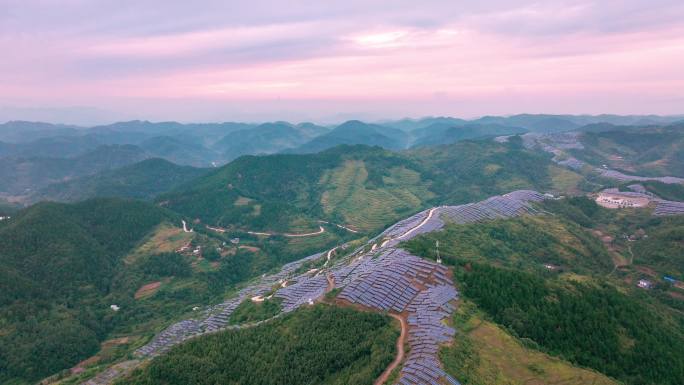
x=390 y=281
x=504 y=206
x=405 y=225
x=638 y=188
x=427 y=332
x=386 y=279
x=556 y=143
x=394 y=280
x=216 y=317
x=663 y=207
x=613 y=174
x=306 y=289
x=572 y=163
x=669 y=208
x=171 y=336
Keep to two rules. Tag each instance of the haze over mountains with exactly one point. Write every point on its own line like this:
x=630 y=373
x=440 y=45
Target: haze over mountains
x=35 y=155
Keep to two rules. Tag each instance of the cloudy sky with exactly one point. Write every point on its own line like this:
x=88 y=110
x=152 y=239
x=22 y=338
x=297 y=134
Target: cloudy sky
x=91 y=61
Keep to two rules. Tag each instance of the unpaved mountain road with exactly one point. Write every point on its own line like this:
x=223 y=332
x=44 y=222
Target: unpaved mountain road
x=400 y=351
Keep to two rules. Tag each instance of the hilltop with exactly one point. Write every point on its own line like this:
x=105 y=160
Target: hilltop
x=143 y=180
x=365 y=188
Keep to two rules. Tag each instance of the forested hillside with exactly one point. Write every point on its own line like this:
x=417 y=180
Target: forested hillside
x=564 y=282
x=22 y=176
x=143 y=180
x=647 y=151
x=319 y=345
x=57 y=263
x=366 y=188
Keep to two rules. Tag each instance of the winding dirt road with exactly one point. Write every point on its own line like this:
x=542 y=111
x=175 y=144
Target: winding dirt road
x=432 y=211
x=400 y=351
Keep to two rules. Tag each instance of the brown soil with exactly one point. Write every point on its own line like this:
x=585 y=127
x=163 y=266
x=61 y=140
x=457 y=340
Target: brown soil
x=250 y=248
x=147 y=290
x=80 y=367
x=331 y=283
x=400 y=350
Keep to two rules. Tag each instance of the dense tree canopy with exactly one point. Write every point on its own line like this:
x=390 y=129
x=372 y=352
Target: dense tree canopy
x=318 y=345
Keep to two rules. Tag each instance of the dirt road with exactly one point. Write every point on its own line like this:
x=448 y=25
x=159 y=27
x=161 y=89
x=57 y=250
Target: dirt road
x=432 y=211
x=400 y=351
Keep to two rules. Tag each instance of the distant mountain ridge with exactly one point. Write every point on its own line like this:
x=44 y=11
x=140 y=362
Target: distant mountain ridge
x=267 y=138
x=213 y=144
x=356 y=132
x=21 y=176
x=143 y=180
x=443 y=133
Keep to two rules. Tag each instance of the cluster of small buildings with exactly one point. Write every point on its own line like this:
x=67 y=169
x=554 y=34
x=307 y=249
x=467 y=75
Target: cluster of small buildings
x=647 y=284
x=3 y=218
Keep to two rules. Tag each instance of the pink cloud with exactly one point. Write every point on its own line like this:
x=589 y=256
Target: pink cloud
x=512 y=56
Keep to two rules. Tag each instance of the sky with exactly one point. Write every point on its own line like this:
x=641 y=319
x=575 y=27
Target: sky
x=97 y=61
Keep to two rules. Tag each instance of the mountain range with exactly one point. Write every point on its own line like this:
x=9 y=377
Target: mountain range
x=158 y=239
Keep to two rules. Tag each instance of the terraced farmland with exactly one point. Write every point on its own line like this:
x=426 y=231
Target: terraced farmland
x=368 y=207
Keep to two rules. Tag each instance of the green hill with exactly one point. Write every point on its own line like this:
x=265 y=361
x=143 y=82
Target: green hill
x=442 y=133
x=22 y=176
x=57 y=265
x=646 y=151
x=319 y=345
x=179 y=150
x=143 y=180
x=363 y=187
x=356 y=132
x=267 y=138
x=564 y=282
x=22 y=131
x=469 y=171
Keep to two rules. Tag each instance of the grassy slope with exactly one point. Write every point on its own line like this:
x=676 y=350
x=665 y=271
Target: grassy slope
x=485 y=354
x=527 y=242
x=347 y=195
x=250 y=311
x=321 y=345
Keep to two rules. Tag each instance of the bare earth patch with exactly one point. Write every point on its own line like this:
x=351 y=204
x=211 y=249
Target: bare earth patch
x=250 y=248
x=165 y=239
x=147 y=290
